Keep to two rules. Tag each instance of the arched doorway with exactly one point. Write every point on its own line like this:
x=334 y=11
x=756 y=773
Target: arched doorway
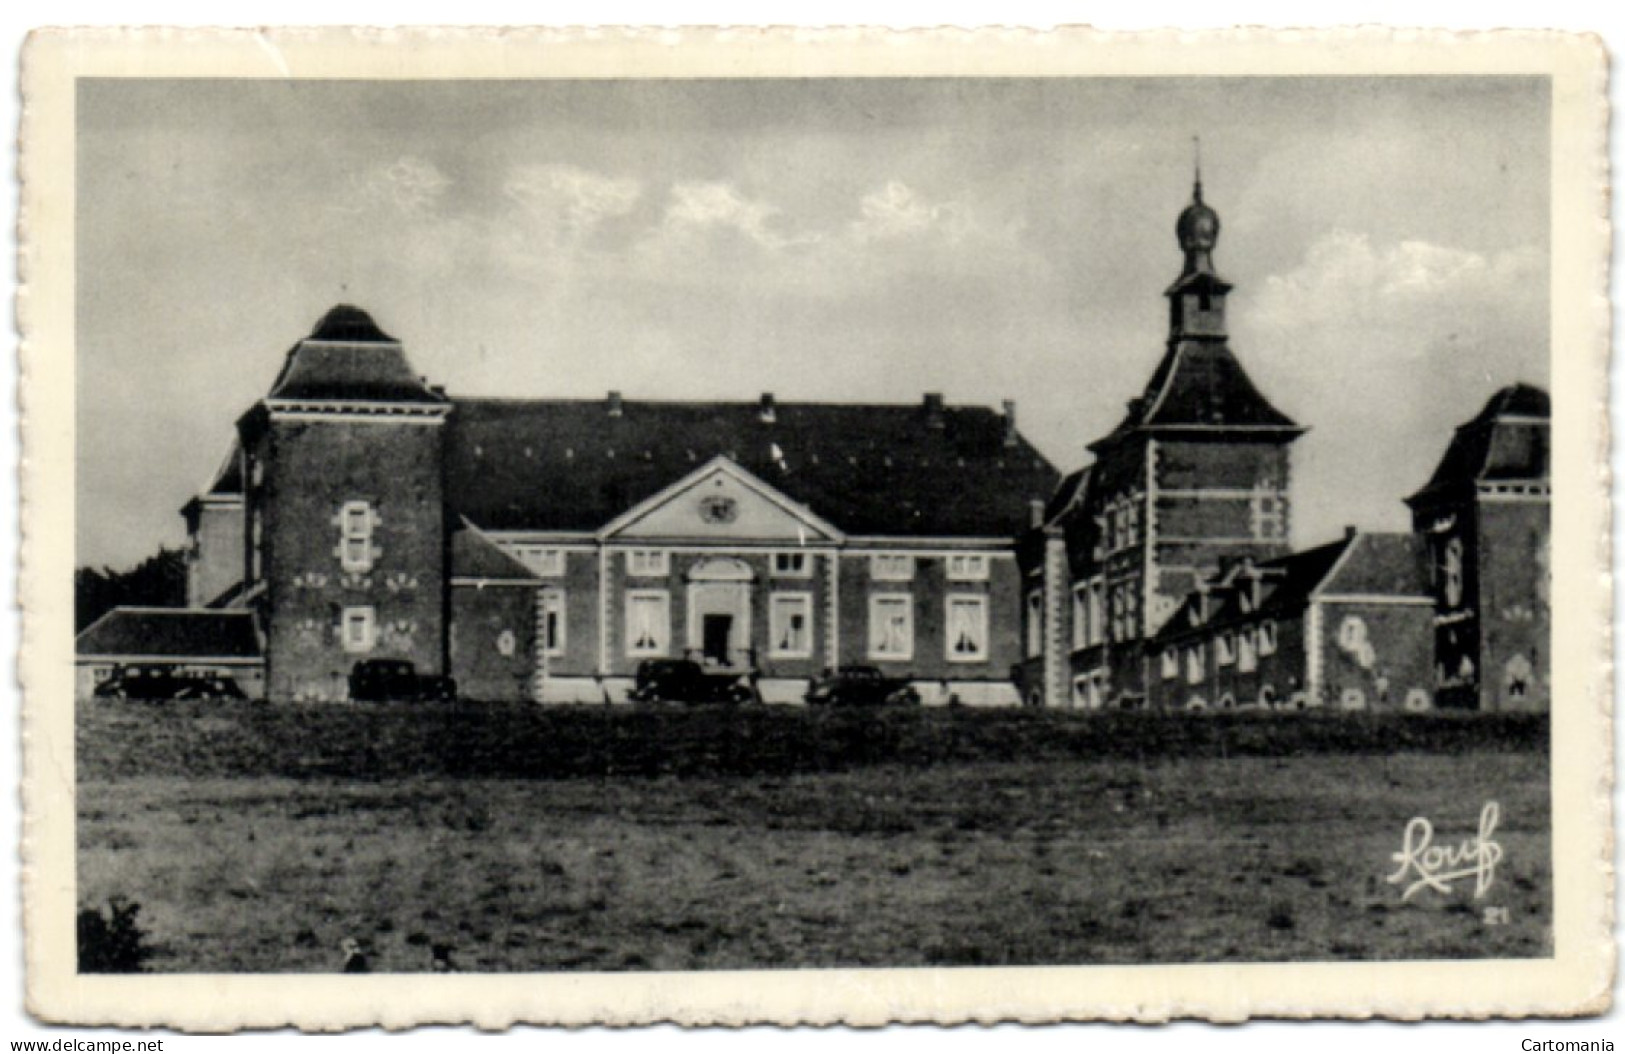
x=719 y=602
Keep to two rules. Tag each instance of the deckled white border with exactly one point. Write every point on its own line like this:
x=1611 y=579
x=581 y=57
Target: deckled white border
x=1577 y=981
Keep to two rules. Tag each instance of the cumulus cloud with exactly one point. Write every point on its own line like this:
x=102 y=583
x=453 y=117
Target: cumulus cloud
x=409 y=184
x=573 y=200
x=896 y=211
x=698 y=207
x=1344 y=276
x=1436 y=329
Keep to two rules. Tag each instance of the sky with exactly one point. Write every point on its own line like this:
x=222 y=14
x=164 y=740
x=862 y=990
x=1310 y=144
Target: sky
x=858 y=240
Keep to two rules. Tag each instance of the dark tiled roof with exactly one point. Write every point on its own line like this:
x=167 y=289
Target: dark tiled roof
x=228 y=481
x=174 y=633
x=473 y=555
x=868 y=469
x=347 y=357
x=1069 y=495
x=1382 y=564
x=1507 y=440
x=1287 y=583
x=1200 y=383
x=349 y=324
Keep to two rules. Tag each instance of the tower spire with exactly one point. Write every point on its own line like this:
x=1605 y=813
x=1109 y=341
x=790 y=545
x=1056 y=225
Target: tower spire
x=1196 y=145
x=1197 y=296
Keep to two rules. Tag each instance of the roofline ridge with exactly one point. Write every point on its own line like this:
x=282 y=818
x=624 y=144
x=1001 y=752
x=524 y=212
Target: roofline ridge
x=778 y=403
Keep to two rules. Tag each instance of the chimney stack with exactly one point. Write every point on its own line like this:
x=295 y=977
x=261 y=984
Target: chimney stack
x=614 y=404
x=1035 y=513
x=1349 y=531
x=769 y=409
x=934 y=414
x=1009 y=422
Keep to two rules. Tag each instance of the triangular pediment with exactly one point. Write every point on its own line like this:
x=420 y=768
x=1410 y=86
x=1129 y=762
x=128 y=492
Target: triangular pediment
x=722 y=502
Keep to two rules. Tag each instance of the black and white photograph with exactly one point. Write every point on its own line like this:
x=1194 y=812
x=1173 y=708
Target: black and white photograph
x=645 y=525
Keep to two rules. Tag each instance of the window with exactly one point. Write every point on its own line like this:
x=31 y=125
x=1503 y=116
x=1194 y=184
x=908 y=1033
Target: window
x=1266 y=639
x=1097 y=611
x=356 y=522
x=1246 y=651
x=1454 y=562
x=256 y=533
x=550 y=621
x=891 y=626
x=967 y=629
x=891 y=567
x=1080 y=616
x=967 y=568
x=1170 y=664
x=648 y=622
x=791 y=565
x=1131 y=523
x=1268 y=515
x=548 y=563
x=359 y=629
x=1035 y=624
x=1195 y=664
x=1122 y=617
x=648 y=563
x=790 y=623
x=1226 y=648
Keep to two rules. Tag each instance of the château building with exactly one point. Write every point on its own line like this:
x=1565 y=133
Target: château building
x=542 y=549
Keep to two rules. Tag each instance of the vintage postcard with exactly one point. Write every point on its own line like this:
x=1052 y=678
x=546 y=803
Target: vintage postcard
x=804 y=527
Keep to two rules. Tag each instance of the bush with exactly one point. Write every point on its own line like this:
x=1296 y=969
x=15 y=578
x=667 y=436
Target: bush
x=112 y=943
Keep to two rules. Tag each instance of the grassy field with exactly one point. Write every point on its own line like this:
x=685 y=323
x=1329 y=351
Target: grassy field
x=258 y=838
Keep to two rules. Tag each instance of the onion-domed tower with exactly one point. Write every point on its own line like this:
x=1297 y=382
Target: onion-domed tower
x=1193 y=479
x=1196 y=299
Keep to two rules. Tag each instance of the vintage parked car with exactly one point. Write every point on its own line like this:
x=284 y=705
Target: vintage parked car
x=686 y=681
x=397 y=680
x=157 y=684
x=861 y=686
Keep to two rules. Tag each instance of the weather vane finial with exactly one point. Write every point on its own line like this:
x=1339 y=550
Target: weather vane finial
x=1196 y=145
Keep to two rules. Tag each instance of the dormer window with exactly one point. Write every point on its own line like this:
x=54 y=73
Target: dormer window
x=1266 y=639
x=1226 y=649
x=356 y=522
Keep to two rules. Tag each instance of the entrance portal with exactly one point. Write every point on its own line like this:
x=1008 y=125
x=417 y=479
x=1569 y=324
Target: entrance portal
x=716 y=630
x=719 y=598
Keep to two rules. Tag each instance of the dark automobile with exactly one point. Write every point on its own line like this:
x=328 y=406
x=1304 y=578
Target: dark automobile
x=397 y=680
x=686 y=681
x=157 y=684
x=861 y=686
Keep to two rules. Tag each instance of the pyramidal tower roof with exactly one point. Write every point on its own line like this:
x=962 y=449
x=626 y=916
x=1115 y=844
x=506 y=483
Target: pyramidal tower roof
x=1508 y=440
x=348 y=358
